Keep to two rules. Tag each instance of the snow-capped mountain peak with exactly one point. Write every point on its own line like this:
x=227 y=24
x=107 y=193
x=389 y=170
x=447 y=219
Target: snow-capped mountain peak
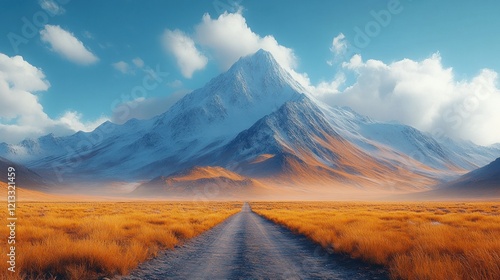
x=253 y=87
x=253 y=115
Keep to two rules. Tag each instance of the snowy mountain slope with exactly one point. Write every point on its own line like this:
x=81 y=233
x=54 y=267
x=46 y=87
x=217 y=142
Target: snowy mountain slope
x=254 y=119
x=408 y=142
x=297 y=144
x=203 y=120
x=252 y=88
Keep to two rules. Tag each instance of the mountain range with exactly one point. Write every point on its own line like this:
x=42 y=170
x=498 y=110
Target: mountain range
x=480 y=183
x=23 y=176
x=252 y=128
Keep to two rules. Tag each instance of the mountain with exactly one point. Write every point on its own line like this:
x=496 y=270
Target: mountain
x=202 y=182
x=256 y=121
x=196 y=125
x=483 y=182
x=297 y=144
x=480 y=184
x=408 y=143
x=24 y=177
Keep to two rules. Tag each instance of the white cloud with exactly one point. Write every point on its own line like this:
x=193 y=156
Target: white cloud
x=339 y=44
x=189 y=59
x=67 y=45
x=74 y=120
x=338 y=48
x=122 y=66
x=131 y=68
x=51 y=7
x=138 y=62
x=229 y=38
x=423 y=94
x=327 y=88
x=145 y=108
x=21 y=114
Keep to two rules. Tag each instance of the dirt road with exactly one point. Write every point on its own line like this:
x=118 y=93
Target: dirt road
x=247 y=246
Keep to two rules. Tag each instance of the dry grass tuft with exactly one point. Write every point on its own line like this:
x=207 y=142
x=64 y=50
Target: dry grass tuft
x=91 y=240
x=414 y=240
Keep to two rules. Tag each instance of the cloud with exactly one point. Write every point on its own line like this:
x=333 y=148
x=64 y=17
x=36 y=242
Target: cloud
x=51 y=7
x=229 y=38
x=339 y=44
x=21 y=114
x=327 y=88
x=338 y=48
x=175 y=84
x=145 y=108
x=138 y=62
x=67 y=45
x=423 y=94
x=122 y=66
x=189 y=59
x=74 y=120
x=131 y=68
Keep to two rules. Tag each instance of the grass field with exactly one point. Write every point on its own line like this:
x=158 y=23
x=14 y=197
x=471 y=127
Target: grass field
x=413 y=240
x=90 y=240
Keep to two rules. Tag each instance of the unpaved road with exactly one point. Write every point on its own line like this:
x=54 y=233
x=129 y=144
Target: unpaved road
x=247 y=246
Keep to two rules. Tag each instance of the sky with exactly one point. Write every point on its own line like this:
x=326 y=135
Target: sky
x=68 y=65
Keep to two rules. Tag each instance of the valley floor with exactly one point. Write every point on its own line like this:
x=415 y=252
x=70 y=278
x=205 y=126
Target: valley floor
x=247 y=246
x=89 y=240
x=427 y=240
x=296 y=240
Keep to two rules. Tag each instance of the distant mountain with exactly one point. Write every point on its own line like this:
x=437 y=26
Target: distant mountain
x=483 y=182
x=256 y=121
x=409 y=143
x=202 y=182
x=24 y=177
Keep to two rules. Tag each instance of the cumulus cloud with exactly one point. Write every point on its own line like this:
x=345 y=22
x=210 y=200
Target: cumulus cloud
x=74 y=120
x=21 y=114
x=323 y=89
x=145 y=108
x=67 y=45
x=51 y=7
x=423 y=94
x=229 y=38
x=189 y=59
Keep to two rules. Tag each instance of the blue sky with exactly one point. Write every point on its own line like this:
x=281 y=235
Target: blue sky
x=119 y=43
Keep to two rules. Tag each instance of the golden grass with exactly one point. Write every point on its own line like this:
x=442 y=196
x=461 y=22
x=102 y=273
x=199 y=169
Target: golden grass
x=91 y=240
x=413 y=240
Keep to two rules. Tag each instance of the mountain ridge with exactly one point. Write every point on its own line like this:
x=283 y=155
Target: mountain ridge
x=255 y=120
